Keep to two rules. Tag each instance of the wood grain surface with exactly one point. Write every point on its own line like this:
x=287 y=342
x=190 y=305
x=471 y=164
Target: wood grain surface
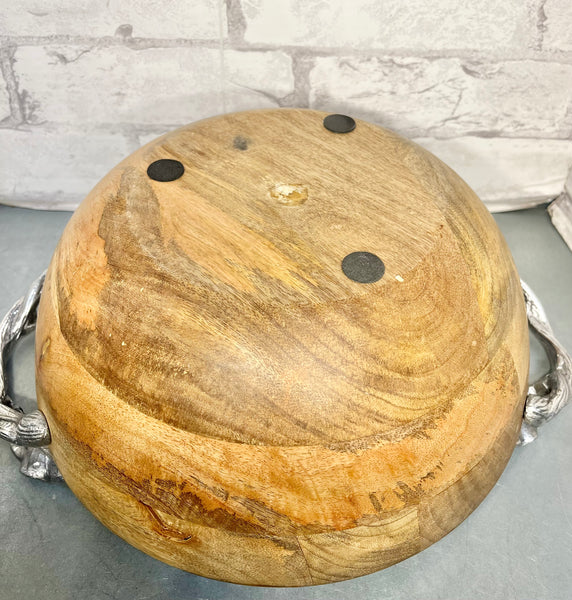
x=224 y=397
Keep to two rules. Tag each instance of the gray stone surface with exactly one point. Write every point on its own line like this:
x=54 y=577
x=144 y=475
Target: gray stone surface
x=517 y=545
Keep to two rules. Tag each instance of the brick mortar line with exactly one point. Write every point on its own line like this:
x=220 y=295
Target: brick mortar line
x=541 y=27
x=467 y=54
x=556 y=56
x=14 y=99
x=236 y=22
x=302 y=66
x=135 y=43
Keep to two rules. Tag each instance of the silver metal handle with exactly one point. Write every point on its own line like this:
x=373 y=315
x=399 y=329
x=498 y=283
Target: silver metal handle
x=29 y=433
x=549 y=394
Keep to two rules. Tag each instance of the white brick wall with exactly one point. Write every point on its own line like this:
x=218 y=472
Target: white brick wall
x=503 y=170
x=98 y=18
x=414 y=24
x=51 y=167
x=257 y=79
x=114 y=85
x=558 y=25
x=448 y=97
x=486 y=85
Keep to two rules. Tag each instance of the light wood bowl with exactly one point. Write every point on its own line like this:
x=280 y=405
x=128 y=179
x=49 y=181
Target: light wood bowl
x=228 y=394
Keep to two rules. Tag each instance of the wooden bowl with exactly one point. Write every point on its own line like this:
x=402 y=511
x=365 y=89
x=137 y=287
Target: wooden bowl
x=278 y=349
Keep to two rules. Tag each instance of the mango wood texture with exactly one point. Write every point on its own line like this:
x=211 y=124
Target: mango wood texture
x=222 y=396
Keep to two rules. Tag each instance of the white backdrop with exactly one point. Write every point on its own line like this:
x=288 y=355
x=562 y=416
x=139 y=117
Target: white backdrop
x=486 y=84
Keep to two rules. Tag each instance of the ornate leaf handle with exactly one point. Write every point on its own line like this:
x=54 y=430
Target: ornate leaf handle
x=29 y=433
x=549 y=394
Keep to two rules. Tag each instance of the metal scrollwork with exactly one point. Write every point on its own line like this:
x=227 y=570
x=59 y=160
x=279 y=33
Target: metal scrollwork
x=28 y=433
x=548 y=395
